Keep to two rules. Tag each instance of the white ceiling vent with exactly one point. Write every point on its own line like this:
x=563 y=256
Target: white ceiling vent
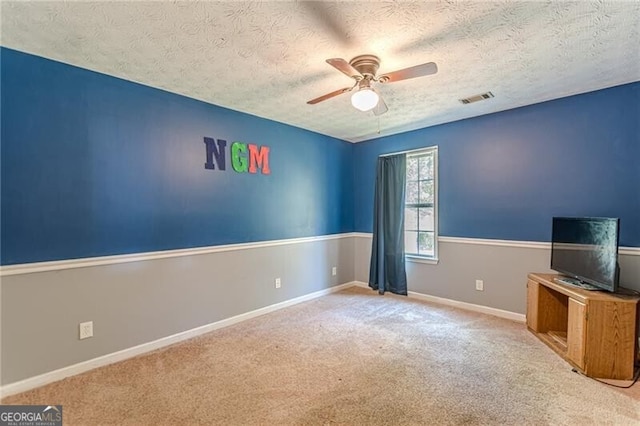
x=476 y=98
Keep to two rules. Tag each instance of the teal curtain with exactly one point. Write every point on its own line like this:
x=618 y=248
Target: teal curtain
x=387 y=271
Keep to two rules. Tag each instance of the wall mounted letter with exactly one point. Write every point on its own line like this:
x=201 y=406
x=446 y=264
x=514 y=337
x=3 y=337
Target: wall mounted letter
x=217 y=152
x=239 y=157
x=259 y=157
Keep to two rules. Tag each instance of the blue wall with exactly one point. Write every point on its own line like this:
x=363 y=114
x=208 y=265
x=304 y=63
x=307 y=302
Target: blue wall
x=93 y=165
x=505 y=175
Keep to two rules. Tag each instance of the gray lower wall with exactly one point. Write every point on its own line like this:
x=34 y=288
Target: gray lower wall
x=503 y=269
x=138 y=302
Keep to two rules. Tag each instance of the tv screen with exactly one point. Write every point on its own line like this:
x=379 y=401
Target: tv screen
x=586 y=249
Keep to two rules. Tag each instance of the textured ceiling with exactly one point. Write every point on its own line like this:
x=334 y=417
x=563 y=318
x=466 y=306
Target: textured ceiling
x=268 y=58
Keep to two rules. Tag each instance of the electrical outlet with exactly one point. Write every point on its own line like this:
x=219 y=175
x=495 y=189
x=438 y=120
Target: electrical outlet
x=334 y=271
x=479 y=285
x=278 y=283
x=86 y=330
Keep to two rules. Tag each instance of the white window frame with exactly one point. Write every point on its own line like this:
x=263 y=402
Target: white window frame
x=436 y=204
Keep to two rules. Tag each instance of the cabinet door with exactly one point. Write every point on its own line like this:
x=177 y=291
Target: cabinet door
x=532 y=305
x=576 y=332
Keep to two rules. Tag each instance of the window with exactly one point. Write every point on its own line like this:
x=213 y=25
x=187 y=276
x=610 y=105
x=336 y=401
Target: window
x=420 y=209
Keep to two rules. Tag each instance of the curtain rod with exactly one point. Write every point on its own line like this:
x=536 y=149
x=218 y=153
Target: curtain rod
x=408 y=151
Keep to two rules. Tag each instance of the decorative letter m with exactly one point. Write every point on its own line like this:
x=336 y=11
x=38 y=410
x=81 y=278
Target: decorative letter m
x=259 y=158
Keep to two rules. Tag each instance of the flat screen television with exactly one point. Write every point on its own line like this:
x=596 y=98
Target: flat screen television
x=586 y=249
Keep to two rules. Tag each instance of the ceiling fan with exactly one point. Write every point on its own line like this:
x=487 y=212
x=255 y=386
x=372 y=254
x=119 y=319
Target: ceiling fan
x=363 y=70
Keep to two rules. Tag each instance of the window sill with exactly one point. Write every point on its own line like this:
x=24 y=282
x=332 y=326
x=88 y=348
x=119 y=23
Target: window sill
x=421 y=259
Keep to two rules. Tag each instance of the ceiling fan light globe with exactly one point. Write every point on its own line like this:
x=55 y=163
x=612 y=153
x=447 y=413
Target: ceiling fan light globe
x=365 y=99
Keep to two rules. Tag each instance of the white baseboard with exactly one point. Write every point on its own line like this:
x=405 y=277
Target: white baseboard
x=72 y=370
x=462 y=305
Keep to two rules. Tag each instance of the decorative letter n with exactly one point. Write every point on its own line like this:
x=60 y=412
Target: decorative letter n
x=217 y=152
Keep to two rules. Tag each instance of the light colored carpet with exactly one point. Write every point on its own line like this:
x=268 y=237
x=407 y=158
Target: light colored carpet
x=352 y=357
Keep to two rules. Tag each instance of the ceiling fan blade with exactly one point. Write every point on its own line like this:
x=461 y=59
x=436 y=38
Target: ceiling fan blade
x=329 y=95
x=411 y=72
x=381 y=108
x=345 y=68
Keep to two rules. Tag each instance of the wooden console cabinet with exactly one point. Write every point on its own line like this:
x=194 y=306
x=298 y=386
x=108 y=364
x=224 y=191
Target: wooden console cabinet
x=593 y=330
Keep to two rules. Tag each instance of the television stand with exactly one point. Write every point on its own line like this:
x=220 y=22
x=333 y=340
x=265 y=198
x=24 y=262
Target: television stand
x=595 y=331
